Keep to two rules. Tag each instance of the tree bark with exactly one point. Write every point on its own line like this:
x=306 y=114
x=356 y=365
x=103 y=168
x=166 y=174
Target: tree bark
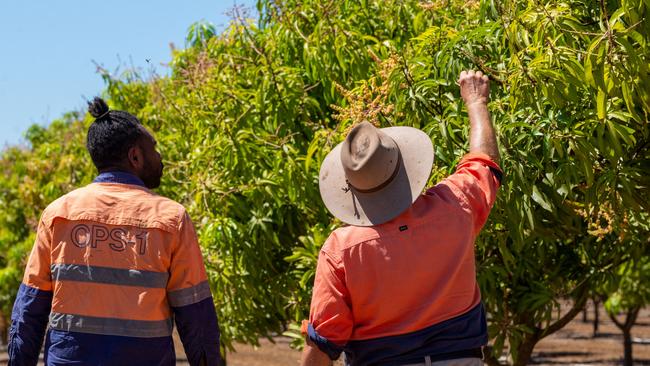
x=525 y=351
x=626 y=328
x=4 y=329
x=489 y=358
x=627 y=347
x=596 y=317
x=564 y=320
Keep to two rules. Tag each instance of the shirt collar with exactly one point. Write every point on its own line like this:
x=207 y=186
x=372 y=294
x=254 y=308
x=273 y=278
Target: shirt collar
x=119 y=177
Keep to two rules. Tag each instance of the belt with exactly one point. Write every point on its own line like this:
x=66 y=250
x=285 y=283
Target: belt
x=466 y=353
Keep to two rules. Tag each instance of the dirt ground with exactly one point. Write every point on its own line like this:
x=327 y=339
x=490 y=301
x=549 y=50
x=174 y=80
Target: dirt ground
x=573 y=345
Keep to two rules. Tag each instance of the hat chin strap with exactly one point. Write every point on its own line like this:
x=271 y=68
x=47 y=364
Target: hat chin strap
x=384 y=184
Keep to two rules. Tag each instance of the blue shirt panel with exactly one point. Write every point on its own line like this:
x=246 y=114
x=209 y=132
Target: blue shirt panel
x=464 y=332
x=119 y=177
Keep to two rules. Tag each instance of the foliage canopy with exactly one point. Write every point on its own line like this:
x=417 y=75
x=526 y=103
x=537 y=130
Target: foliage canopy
x=246 y=117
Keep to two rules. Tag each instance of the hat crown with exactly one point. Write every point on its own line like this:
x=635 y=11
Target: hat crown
x=369 y=157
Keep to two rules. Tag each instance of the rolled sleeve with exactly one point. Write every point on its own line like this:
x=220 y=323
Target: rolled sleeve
x=331 y=321
x=331 y=349
x=477 y=179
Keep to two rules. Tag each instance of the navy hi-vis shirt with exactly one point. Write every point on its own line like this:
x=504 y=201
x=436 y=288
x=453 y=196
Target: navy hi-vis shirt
x=112 y=267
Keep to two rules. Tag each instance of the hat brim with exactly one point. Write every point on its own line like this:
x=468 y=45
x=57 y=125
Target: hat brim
x=368 y=209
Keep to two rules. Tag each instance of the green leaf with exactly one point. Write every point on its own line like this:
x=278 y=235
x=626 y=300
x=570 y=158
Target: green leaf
x=601 y=100
x=541 y=199
x=629 y=100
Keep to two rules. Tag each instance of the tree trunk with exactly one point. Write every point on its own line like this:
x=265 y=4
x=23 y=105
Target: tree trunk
x=489 y=358
x=627 y=347
x=596 y=317
x=4 y=329
x=525 y=350
x=626 y=328
x=584 y=314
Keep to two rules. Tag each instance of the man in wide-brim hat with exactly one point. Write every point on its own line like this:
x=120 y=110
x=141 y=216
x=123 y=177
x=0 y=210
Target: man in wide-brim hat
x=398 y=286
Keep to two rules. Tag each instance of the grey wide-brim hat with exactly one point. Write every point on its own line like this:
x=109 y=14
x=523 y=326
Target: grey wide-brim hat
x=375 y=174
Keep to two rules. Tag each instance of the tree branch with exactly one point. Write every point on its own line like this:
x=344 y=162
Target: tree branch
x=410 y=81
x=630 y=319
x=564 y=320
x=613 y=318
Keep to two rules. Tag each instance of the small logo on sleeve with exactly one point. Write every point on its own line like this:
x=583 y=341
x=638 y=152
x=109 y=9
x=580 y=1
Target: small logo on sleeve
x=403 y=228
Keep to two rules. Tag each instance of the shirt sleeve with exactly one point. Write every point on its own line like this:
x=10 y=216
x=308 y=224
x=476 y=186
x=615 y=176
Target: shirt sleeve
x=330 y=321
x=189 y=296
x=476 y=181
x=33 y=303
x=38 y=274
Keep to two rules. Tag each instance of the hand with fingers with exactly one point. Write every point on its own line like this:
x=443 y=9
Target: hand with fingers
x=474 y=87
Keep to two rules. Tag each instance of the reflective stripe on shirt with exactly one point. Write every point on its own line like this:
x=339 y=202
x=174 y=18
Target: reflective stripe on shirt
x=110 y=326
x=190 y=295
x=114 y=276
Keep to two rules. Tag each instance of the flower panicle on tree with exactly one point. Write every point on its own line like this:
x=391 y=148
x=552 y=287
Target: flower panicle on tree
x=370 y=100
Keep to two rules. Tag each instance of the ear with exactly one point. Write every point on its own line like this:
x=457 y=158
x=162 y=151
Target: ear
x=135 y=157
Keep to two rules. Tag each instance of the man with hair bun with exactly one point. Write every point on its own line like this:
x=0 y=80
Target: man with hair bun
x=114 y=264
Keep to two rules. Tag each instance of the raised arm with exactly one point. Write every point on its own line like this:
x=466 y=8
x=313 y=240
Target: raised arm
x=475 y=90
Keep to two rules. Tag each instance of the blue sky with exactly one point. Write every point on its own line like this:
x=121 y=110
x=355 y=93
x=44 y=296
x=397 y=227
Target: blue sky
x=48 y=49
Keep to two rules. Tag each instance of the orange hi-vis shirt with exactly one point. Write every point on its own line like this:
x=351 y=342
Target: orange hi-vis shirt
x=389 y=283
x=113 y=267
x=116 y=257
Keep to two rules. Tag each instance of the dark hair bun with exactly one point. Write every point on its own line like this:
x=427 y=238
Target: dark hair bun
x=97 y=107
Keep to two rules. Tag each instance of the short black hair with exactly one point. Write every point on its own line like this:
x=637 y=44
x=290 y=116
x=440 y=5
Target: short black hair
x=111 y=135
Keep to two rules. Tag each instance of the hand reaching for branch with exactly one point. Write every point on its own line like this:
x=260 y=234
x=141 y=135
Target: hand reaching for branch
x=474 y=87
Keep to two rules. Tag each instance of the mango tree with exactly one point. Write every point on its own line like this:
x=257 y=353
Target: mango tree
x=572 y=116
x=246 y=116
x=630 y=294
